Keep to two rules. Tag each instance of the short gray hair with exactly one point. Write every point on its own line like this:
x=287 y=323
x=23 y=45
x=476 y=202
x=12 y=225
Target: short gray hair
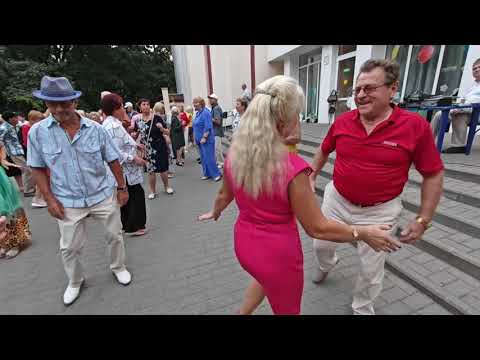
x=391 y=69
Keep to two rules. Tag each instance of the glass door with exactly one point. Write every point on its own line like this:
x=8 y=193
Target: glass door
x=312 y=102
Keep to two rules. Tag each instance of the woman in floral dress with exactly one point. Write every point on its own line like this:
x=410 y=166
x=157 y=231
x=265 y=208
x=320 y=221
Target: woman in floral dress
x=152 y=128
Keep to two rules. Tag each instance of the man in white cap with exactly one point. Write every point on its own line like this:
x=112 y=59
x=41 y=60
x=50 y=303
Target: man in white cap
x=217 y=128
x=76 y=151
x=129 y=109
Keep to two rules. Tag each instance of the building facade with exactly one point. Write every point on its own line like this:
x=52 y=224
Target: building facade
x=319 y=69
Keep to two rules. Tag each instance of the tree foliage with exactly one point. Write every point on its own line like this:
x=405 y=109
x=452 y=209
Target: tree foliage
x=133 y=71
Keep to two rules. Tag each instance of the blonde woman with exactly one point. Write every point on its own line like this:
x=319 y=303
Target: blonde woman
x=190 y=115
x=271 y=195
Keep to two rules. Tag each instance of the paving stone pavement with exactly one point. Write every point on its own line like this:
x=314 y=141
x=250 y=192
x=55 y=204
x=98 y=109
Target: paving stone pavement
x=180 y=267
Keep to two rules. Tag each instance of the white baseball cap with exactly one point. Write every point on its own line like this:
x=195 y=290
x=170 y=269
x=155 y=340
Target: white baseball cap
x=213 y=96
x=127 y=104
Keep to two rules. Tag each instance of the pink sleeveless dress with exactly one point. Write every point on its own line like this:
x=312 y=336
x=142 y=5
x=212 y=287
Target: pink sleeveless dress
x=267 y=242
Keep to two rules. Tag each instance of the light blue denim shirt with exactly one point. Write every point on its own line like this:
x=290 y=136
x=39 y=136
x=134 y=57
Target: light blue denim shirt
x=78 y=174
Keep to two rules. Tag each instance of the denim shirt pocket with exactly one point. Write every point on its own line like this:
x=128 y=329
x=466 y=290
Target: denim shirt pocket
x=54 y=162
x=52 y=154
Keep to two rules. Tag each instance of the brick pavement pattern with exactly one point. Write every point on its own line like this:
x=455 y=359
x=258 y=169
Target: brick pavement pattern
x=182 y=267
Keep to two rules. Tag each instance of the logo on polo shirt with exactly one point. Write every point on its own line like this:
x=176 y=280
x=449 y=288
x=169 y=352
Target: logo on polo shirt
x=389 y=143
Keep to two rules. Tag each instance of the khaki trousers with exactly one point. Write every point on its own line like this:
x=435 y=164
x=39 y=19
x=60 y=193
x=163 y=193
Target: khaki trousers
x=459 y=123
x=369 y=281
x=27 y=177
x=73 y=237
x=219 y=150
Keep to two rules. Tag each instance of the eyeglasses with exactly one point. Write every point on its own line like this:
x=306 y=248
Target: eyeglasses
x=368 y=89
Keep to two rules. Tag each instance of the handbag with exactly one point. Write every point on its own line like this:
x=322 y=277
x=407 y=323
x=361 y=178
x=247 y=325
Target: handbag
x=12 y=170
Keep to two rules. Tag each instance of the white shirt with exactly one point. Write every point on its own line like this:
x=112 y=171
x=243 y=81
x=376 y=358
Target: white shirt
x=236 y=119
x=127 y=147
x=473 y=94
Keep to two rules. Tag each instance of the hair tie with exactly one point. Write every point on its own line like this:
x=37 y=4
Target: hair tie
x=265 y=93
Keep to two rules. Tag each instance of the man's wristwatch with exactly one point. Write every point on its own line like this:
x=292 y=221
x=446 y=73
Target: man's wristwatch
x=121 y=188
x=422 y=221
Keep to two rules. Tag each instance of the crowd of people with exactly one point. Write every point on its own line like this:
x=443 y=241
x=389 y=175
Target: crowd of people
x=83 y=165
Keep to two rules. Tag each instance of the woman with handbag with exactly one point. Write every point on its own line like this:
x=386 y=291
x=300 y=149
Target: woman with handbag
x=152 y=130
x=178 y=138
x=133 y=213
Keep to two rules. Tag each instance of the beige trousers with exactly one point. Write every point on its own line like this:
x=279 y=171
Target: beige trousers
x=27 y=177
x=219 y=150
x=73 y=237
x=459 y=123
x=369 y=281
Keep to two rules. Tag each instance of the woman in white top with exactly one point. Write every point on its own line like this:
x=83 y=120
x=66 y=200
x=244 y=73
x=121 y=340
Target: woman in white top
x=133 y=213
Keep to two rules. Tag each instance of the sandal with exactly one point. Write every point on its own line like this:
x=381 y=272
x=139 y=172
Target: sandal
x=10 y=254
x=139 y=232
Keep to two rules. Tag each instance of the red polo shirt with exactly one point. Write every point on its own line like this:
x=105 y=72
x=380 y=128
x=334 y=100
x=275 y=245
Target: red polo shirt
x=373 y=168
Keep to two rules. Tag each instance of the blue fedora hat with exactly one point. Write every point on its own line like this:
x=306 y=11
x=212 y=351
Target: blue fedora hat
x=56 y=89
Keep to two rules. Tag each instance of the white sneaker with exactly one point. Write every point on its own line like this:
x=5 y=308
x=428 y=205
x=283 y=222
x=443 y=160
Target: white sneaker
x=123 y=277
x=37 y=205
x=71 y=294
x=218 y=178
x=151 y=196
x=169 y=191
x=204 y=178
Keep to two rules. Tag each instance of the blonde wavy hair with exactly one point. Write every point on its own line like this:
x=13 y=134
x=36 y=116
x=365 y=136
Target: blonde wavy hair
x=257 y=153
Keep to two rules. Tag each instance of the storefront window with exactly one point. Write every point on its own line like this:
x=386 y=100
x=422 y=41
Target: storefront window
x=345 y=49
x=302 y=80
x=452 y=68
x=346 y=69
x=399 y=54
x=423 y=65
x=312 y=98
x=308 y=78
x=313 y=56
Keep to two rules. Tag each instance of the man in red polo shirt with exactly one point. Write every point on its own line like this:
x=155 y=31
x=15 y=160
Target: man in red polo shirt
x=376 y=145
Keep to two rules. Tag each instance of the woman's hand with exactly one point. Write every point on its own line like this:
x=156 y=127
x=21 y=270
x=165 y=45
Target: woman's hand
x=209 y=216
x=7 y=164
x=379 y=238
x=139 y=161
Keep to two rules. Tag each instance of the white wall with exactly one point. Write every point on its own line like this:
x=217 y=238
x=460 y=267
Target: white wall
x=276 y=51
x=195 y=76
x=263 y=69
x=230 y=69
x=467 y=78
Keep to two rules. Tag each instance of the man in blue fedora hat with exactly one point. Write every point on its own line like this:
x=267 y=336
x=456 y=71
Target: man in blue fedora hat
x=66 y=143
